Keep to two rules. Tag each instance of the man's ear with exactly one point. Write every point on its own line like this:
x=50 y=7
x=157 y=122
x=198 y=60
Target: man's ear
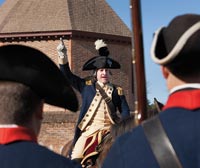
x=39 y=111
x=165 y=72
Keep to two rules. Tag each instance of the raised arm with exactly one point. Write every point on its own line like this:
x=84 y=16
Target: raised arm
x=77 y=82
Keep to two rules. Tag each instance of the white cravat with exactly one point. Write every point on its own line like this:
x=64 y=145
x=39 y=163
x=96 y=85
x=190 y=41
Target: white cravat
x=104 y=86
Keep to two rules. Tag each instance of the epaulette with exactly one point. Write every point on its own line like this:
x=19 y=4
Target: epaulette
x=88 y=82
x=120 y=91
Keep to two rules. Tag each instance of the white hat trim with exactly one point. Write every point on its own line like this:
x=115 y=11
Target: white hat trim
x=177 y=48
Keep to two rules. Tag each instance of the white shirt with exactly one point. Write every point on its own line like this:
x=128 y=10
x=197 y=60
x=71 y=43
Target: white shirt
x=189 y=85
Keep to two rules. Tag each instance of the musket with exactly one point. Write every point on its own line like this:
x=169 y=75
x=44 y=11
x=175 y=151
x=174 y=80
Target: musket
x=138 y=61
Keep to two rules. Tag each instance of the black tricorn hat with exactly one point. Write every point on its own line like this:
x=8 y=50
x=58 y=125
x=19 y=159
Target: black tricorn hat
x=102 y=60
x=180 y=37
x=33 y=68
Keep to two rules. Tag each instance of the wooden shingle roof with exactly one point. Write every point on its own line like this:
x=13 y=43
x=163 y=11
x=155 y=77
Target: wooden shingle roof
x=32 y=16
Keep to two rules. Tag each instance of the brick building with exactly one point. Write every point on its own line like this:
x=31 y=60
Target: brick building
x=40 y=24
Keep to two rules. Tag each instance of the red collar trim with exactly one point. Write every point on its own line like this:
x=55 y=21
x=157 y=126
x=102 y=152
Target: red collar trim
x=9 y=135
x=188 y=99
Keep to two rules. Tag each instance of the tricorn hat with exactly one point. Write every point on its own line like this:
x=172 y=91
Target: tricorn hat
x=33 y=68
x=180 y=37
x=102 y=60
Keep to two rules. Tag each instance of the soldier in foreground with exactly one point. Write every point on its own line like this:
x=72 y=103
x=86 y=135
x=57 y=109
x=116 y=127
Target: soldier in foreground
x=28 y=79
x=170 y=139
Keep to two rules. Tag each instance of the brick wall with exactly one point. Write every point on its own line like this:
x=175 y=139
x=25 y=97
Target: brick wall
x=57 y=129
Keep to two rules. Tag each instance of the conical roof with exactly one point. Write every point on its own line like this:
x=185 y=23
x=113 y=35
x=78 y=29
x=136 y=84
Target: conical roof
x=20 y=16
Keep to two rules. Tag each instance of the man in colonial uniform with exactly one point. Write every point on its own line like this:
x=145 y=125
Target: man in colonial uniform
x=100 y=99
x=28 y=79
x=170 y=139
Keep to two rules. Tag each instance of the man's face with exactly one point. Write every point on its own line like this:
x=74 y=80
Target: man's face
x=103 y=75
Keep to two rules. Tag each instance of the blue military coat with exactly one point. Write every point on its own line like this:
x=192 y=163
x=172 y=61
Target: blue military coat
x=26 y=154
x=19 y=149
x=181 y=121
x=88 y=92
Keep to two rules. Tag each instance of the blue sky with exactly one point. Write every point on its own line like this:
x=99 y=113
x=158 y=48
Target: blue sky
x=155 y=13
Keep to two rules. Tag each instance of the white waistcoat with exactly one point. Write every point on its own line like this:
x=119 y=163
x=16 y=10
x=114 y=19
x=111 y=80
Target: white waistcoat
x=97 y=117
